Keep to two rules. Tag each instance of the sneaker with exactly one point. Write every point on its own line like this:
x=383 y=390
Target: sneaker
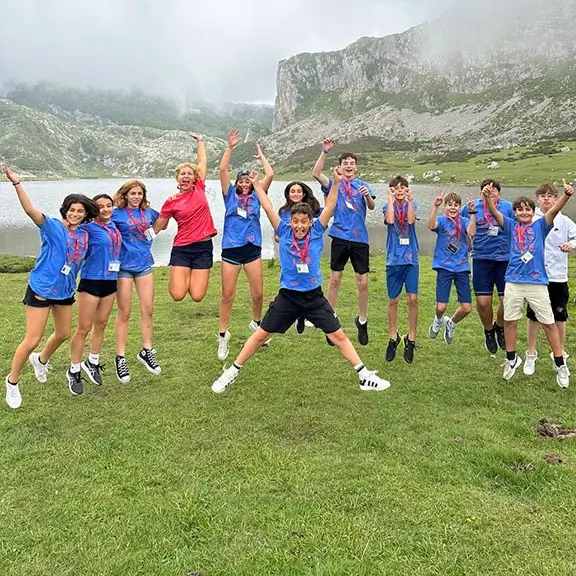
x=510 y=367
x=490 y=341
x=409 y=347
x=565 y=356
x=224 y=345
x=449 y=329
x=300 y=325
x=13 y=396
x=93 y=372
x=562 y=376
x=362 y=331
x=374 y=382
x=253 y=325
x=435 y=327
x=122 y=372
x=227 y=377
x=500 y=336
x=40 y=370
x=147 y=356
x=530 y=363
x=309 y=324
x=391 y=348
x=75 y=384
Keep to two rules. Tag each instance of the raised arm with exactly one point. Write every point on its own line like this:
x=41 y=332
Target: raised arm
x=268 y=170
x=471 y=230
x=327 y=145
x=365 y=191
x=560 y=203
x=332 y=198
x=202 y=158
x=411 y=209
x=35 y=215
x=389 y=217
x=265 y=202
x=486 y=192
x=432 y=224
x=233 y=141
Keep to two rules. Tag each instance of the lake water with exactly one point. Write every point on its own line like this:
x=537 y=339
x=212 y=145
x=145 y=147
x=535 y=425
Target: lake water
x=19 y=236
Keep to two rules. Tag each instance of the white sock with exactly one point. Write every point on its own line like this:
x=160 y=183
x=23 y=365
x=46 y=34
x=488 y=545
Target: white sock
x=75 y=367
x=94 y=358
x=362 y=320
x=361 y=370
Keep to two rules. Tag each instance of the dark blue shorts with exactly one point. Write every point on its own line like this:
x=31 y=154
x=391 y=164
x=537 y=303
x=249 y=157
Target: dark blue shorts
x=402 y=275
x=36 y=301
x=241 y=254
x=486 y=274
x=196 y=256
x=444 y=281
x=98 y=288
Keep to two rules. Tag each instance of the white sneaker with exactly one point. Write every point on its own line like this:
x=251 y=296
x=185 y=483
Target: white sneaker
x=449 y=329
x=223 y=346
x=374 y=382
x=13 y=396
x=308 y=324
x=510 y=367
x=435 y=327
x=253 y=326
x=40 y=370
x=530 y=363
x=562 y=376
x=226 y=378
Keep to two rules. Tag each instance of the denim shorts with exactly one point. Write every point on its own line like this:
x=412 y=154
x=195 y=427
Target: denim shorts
x=132 y=274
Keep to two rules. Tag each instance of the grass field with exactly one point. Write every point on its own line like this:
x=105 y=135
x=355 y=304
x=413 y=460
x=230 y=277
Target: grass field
x=293 y=470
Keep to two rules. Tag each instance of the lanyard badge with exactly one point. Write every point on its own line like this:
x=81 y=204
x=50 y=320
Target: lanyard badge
x=302 y=267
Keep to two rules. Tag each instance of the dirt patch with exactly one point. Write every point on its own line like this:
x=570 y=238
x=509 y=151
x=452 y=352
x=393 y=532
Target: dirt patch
x=554 y=458
x=547 y=429
x=521 y=467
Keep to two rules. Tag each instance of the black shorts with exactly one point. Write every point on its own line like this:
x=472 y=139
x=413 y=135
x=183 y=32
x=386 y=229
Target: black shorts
x=289 y=305
x=357 y=252
x=559 y=296
x=98 y=288
x=196 y=256
x=32 y=299
x=241 y=254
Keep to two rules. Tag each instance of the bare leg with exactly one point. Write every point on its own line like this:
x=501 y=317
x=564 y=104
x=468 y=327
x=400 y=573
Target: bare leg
x=441 y=309
x=124 y=301
x=553 y=339
x=345 y=347
x=393 y=317
x=87 y=306
x=334 y=287
x=412 y=316
x=510 y=334
x=100 y=321
x=251 y=346
x=179 y=283
x=533 y=329
x=256 y=281
x=461 y=312
x=562 y=334
x=62 y=329
x=484 y=307
x=145 y=291
x=230 y=274
x=198 y=285
x=362 y=287
x=500 y=312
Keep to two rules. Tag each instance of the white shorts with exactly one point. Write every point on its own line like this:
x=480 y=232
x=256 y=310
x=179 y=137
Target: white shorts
x=535 y=294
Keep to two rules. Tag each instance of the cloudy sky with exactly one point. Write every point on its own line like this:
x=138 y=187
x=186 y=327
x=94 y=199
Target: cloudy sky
x=214 y=50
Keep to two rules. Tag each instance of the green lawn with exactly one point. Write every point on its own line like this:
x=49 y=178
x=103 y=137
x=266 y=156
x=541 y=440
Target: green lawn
x=293 y=470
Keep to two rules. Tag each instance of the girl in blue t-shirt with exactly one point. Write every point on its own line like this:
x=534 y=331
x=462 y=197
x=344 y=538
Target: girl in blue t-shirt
x=298 y=193
x=51 y=284
x=134 y=219
x=241 y=241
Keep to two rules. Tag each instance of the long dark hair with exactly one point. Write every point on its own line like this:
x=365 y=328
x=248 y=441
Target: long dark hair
x=307 y=198
x=92 y=210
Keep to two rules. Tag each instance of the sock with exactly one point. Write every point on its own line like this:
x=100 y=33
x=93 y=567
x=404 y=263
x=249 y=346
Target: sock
x=94 y=359
x=257 y=322
x=237 y=366
x=489 y=330
x=75 y=367
x=496 y=327
x=559 y=360
x=222 y=334
x=40 y=360
x=362 y=320
x=362 y=371
x=511 y=355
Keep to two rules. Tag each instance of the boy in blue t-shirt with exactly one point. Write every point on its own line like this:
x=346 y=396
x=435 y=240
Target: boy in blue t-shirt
x=451 y=261
x=402 y=269
x=300 y=248
x=526 y=277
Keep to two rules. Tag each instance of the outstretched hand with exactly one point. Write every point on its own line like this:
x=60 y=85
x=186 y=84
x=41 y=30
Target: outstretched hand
x=254 y=177
x=233 y=138
x=197 y=137
x=410 y=195
x=470 y=202
x=439 y=198
x=328 y=144
x=487 y=191
x=259 y=154
x=338 y=174
x=568 y=188
x=12 y=176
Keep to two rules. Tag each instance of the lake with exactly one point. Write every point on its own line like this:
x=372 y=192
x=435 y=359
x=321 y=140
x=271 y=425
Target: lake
x=19 y=236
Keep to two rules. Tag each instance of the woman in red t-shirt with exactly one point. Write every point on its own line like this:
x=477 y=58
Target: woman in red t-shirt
x=191 y=256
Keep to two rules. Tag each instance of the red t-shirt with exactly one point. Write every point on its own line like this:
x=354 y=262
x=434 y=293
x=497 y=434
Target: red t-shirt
x=192 y=214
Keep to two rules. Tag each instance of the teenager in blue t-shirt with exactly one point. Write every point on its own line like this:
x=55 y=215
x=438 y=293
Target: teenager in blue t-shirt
x=526 y=277
x=96 y=293
x=51 y=284
x=134 y=219
x=301 y=244
x=451 y=261
x=241 y=241
x=348 y=232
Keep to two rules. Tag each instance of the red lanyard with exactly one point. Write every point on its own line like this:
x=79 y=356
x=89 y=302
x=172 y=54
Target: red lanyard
x=487 y=215
x=401 y=215
x=457 y=226
x=302 y=253
x=141 y=226
x=115 y=238
x=244 y=199
x=521 y=232
x=77 y=244
x=347 y=185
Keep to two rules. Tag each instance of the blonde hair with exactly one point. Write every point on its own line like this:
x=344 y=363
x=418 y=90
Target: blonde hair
x=186 y=165
x=120 y=200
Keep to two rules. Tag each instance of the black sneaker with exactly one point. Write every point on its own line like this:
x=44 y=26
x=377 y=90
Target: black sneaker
x=329 y=342
x=409 y=347
x=362 y=331
x=147 y=356
x=490 y=341
x=75 y=384
x=500 y=336
x=93 y=372
x=122 y=372
x=391 y=349
x=300 y=324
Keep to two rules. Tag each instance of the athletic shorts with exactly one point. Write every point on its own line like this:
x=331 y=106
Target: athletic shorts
x=444 y=281
x=536 y=295
x=33 y=299
x=343 y=250
x=402 y=275
x=196 y=256
x=559 y=296
x=486 y=274
x=98 y=288
x=241 y=254
x=289 y=305
x=132 y=274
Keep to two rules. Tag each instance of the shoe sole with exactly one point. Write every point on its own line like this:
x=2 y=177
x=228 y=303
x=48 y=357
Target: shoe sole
x=493 y=353
x=90 y=377
x=371 y=388
x=151 y=370
x=70 y=386
x=223 y=389
x=35 y=373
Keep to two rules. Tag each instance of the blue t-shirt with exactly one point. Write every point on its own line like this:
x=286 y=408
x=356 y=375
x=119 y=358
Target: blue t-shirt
x=485 y=247
x=135 y=254
x=104 y=245
x=350 y=213
x=525 y=238
x=241 y=220
x=398 y=252
x=60 y=247
x=291 y=257
x=451 y=250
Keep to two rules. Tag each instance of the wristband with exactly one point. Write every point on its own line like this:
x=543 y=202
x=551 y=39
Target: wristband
x=475 y=212
x=324 y=151
x=16 y=183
